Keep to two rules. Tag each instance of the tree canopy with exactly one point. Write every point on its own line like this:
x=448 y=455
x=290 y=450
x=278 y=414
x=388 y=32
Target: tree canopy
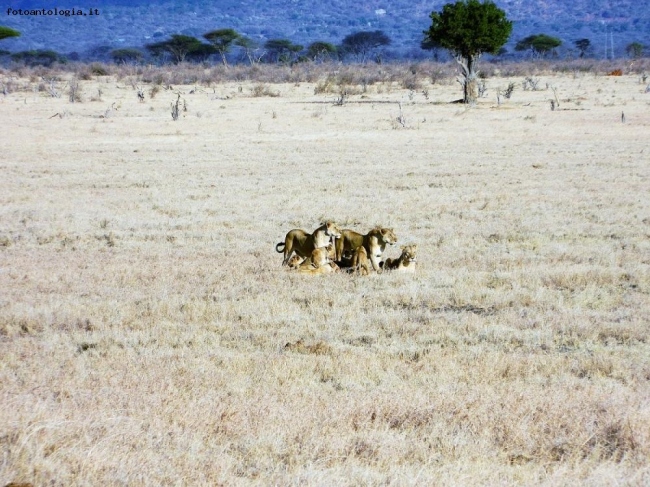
x=469 y=28
x=538 y=43
x=363 y=42
x=181 y=47
x=126 y=55
x=281 y=50
x=634 y=50
x=320 y=50
x=8 y=32
x=38 y=57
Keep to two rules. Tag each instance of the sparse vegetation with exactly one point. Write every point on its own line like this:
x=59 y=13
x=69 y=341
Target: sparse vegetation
x=74 y=90
x=148 y=332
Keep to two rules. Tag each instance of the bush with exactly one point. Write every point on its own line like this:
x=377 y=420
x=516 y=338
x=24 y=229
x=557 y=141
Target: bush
x=98 y=69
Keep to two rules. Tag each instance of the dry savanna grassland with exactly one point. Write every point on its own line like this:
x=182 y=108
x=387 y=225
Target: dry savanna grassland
x=150 y=336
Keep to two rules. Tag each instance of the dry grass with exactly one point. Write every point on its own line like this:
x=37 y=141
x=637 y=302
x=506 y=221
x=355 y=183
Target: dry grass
x=149 y=336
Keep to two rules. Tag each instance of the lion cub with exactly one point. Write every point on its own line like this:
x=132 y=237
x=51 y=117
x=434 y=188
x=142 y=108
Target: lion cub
x=319 y=257
x=360 y=263
x=405 y=262
x=295 y=261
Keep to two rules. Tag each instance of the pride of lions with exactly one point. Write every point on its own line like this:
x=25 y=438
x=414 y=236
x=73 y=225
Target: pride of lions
x=329 y=249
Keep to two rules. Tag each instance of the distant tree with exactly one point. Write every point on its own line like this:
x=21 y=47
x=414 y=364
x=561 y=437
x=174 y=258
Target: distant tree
x=583 y=46
x=6 y=32
x=222 y=40
x=318 y=51
x=469 y=29
x=634 y=50
x=539 y=44
x=363 y=43
x=100 y=53
x=179 y=47
x=127 y=55
x=39 y=57
x=282 y=50
x=200 y=53
x=249 y=46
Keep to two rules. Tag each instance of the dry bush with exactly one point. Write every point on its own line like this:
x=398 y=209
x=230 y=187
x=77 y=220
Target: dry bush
x=74 y=90
x=100 y=69
x=261 y=89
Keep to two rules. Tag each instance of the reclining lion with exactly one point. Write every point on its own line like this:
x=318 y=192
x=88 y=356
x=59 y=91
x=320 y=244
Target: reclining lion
x=324 y=269
x=405 y=262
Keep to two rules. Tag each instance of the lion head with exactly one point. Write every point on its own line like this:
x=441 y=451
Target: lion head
x=331 y=230
x=409 y=253
x=387 y=235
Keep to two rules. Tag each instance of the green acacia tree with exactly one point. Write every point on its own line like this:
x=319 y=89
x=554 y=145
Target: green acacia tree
x=634 y=50
x=583 y=46
x=281 y=50
x=539 y=44
x=319 y=51
x=127 y=55
x=223 y=40
x=8 y=32
x=362 y=44
x=468 y=29
x=179 y=47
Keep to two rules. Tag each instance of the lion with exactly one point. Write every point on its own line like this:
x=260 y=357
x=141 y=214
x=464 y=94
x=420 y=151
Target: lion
x=295 y=261
x=319 y=257
x=374 y=242
x=328 y=268
x=303 y=243
x=360 y=261
x=405 y=262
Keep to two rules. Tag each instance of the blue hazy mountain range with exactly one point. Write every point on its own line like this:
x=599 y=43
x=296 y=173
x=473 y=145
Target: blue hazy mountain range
x=82 y=27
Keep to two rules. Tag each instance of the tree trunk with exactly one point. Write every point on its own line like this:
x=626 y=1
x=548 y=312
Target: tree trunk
x=223 y=58
x=469 y=79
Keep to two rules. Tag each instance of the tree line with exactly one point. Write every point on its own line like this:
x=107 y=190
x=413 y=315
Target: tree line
x=467 y=29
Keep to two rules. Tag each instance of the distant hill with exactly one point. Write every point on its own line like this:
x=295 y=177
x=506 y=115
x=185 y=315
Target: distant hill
x=127 y=23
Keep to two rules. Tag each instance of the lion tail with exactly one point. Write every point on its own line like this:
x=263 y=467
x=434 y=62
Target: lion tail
x=280 y=244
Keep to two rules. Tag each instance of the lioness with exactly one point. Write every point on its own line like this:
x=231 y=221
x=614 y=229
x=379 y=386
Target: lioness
x=374 y=242
x=324 y=269
x=303 y=243
x=319 y=257
x=360 y=261
x=405 y=262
